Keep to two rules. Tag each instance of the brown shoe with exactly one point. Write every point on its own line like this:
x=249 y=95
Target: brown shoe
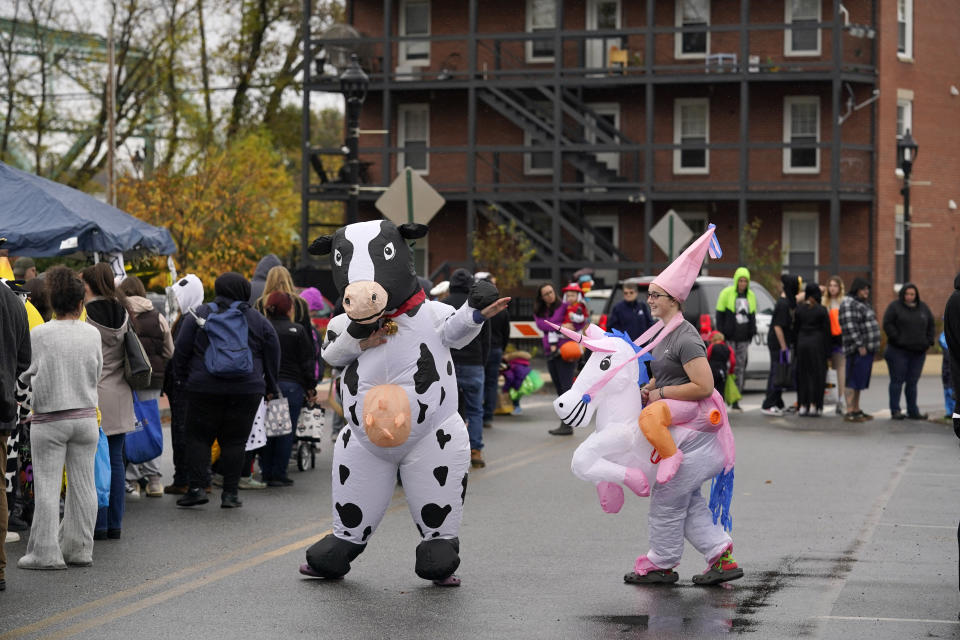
x=476 y=458
x=175 y=489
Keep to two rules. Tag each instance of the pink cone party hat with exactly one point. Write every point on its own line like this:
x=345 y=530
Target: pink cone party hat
x=678 y=278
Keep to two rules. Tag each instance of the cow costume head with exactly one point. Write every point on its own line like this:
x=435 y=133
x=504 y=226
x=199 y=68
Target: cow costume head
x=372 y=266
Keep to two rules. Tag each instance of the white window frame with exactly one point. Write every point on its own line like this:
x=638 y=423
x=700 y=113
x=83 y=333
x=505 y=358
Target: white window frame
x=907 y=124
x=528 y=167
x=788 y=103
x=610 y=220
x=423 y=244
x=402 y=30
x=678 y=36
x=530 y=29
x=898 y=242
x=688 y=215
x=678 y=105
x=811 y=217
x=907 y=18
x=788 y=49
x=402 y=111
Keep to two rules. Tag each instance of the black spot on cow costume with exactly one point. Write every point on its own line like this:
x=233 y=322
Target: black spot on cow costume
x=395 y=392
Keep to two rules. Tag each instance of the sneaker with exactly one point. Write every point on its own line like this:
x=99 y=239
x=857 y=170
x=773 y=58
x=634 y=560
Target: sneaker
x=854 y=416
x=803 y=411
x=665 y=576
x=16 y=523
x=897 y=415
x=772 y=411
x=154 y=488
x=723 y=570
x=249 y=482
x=516 y=411
x=736 y=406
x=865 y=416
x=133 y=491
x=216 y=479
x=12 y=536
x=917 y=416
x=476 y=459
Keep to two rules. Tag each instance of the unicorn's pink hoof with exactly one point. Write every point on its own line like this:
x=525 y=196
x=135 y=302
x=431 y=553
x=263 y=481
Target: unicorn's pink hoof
x=636 y=482
x=611 y=497
x=667 y=467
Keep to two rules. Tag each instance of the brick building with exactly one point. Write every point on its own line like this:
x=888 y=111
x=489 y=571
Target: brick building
x=585 y=121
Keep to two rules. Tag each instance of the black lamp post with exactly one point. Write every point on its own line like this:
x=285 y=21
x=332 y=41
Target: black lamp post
x=353 y=85
x=907 y=153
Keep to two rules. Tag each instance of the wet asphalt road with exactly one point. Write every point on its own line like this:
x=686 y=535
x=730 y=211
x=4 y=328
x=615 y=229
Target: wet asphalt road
x=844 y=531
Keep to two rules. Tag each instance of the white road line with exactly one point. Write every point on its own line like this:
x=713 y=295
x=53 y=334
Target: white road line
x=868 y=619
x=917 y=526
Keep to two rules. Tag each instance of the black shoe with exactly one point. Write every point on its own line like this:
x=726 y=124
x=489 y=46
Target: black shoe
x=917 y=416
x=192 y=498
x=15 y=523
x=3 y=584
x=230 y=501
x=100 y=534
x=562 y=430
x=736 y=406
x=113 y=534
x=897 y=415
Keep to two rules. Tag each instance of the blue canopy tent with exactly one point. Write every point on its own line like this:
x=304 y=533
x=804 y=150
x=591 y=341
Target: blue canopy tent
x=42 y=218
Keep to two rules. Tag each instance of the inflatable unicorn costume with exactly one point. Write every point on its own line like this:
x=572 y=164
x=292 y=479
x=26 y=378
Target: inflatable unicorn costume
x=678 y=446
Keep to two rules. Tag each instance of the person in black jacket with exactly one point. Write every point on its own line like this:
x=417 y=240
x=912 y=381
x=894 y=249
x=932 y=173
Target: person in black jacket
x=499 y=336
x=468 y=364
x=630 y=315
x=220 y=408
x=908 y=324
x=813 y=344
x=780 y=341
x=297 y=381
x=951 y=330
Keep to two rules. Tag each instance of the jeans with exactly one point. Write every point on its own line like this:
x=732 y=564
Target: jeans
x=111 y=517
x=562 y=373
x=275 y=455
x=905 y=369
x=470 y=387
x=491 y=377
x=226 y=418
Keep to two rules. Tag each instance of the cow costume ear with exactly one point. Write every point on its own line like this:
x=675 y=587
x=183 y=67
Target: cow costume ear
x=413 y=230
x=321 y=246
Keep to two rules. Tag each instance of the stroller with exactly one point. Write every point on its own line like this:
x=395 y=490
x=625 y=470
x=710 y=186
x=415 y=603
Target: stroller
x=310 y=429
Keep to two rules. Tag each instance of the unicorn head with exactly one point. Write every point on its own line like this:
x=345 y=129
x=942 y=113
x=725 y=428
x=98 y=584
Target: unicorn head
x=611 y=353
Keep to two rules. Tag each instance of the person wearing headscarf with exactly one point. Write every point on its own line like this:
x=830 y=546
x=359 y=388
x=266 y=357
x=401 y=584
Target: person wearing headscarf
x=221 y=408
x=908 y=324
x=780 y=341
x=259 y=281
x=861 y=339
x=813 y=344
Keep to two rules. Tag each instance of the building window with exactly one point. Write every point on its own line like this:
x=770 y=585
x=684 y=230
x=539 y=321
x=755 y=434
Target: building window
x=801 y=241
x=803 y=38
x=801 y=130
x=692 y=13
x=415 y=21
x=905 y=28
x=904 y=122
x=898 y=246
x=537 y=163
x=413 y=133
x=691 y=130
x=541 y=17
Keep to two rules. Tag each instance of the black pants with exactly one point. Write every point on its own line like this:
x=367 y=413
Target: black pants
x=226 y=418
x=811 y=371
x=178 y=435
x=562 y=373
x=774 y=393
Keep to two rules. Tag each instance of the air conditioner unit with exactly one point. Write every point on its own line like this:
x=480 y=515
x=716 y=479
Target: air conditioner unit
x=754 y=64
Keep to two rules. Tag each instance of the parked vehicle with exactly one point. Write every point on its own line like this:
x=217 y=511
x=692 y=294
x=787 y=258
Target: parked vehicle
x=596 y=304
x=703 y=299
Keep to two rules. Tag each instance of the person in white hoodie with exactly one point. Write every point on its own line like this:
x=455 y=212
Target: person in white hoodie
x=157 y=340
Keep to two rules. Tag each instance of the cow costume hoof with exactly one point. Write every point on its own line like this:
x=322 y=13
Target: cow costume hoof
x=437 y=559
x=450 y=581
x=331 y=557
x=307 y=570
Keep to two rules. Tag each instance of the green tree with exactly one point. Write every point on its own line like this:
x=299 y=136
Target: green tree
x=503 y=251
x=765 y=263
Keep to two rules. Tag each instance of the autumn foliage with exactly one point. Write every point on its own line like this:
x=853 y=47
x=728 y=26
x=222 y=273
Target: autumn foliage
x=238 y=205
x=503 y=251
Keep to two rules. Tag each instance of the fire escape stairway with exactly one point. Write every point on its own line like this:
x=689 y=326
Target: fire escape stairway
x=523 y=111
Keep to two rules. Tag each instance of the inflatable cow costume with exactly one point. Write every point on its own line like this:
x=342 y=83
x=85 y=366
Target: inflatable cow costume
x=399 y=399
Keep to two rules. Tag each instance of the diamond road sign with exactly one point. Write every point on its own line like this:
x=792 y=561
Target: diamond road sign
x=410 y=199
x=671 y=233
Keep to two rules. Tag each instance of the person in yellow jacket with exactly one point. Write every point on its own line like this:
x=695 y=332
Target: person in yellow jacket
x=737 y=321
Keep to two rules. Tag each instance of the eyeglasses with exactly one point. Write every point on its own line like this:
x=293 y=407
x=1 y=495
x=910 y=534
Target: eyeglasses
x=653 y=295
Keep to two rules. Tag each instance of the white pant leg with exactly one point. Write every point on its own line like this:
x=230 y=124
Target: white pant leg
x=362 y=488
x=80 y=510
x=437 y=508
x=48 y=445
x=590 y=461
x=706 y=537
x=670 y=503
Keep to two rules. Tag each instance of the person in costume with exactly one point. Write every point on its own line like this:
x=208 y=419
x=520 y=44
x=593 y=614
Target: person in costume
x=576 y=313
x=399 y=398
x=685 y=419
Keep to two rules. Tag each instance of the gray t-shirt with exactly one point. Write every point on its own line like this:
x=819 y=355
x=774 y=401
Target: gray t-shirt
x=680 y=347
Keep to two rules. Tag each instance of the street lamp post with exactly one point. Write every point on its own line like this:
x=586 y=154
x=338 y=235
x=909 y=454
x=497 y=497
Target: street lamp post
x=907 y=149
x=353 y=85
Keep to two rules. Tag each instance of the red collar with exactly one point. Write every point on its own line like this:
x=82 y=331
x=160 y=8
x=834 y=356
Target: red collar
x=411 y=302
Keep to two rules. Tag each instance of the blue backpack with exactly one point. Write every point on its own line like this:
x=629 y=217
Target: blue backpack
x=228 y=355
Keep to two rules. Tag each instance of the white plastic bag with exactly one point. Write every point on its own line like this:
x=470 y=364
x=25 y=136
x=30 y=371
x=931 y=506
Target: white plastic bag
x=258 y=436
